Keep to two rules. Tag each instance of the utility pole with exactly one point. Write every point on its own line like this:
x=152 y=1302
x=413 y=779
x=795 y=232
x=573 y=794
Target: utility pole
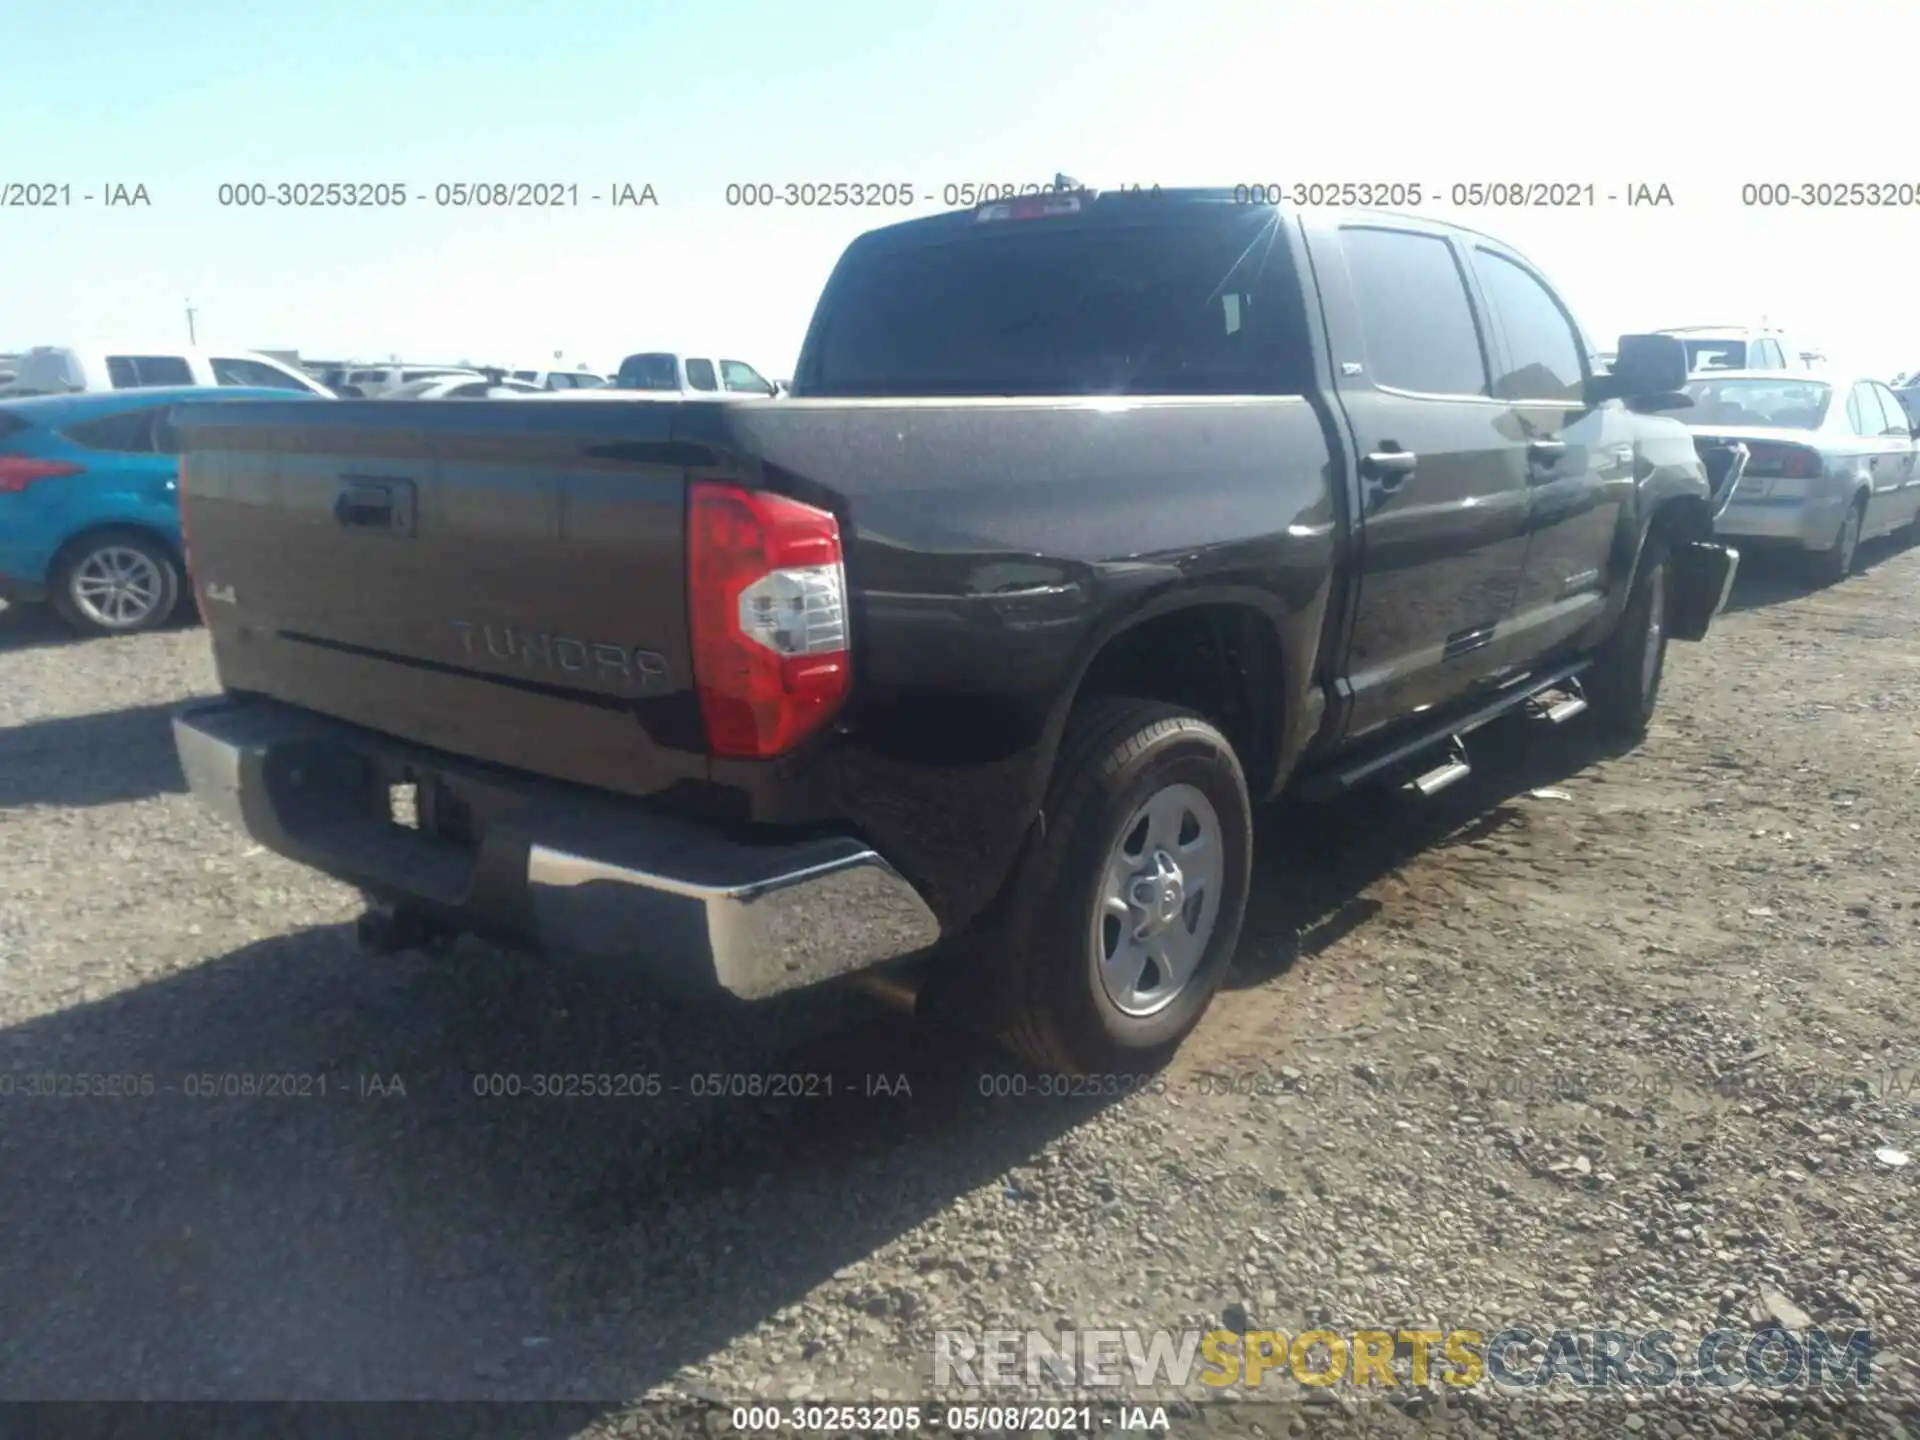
x=192 y=339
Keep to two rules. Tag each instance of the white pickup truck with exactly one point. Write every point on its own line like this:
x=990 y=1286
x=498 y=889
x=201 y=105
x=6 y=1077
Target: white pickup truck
x=664 y=372
x=1741 y=347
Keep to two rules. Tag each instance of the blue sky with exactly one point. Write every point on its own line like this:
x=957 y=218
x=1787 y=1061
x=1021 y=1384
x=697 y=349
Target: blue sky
x=689 y=98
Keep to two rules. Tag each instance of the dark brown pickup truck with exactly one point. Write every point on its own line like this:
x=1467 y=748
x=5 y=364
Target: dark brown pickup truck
x=1092 y=522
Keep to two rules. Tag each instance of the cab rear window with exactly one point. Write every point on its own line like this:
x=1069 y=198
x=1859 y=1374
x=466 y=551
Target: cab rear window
x=648 y=372
x=1048 y=308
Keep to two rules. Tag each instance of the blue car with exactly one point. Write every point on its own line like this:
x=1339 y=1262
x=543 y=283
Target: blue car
x=89 y=514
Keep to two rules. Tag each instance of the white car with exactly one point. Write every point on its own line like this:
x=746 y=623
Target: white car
x=74 y=369
x=661 y=372
x=373 y=381
x=461 y=387
x=559 y=379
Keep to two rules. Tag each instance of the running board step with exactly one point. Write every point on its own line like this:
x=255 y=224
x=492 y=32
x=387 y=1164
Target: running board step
x=1377 y=762
x=1574 y=704
x=1454 y=767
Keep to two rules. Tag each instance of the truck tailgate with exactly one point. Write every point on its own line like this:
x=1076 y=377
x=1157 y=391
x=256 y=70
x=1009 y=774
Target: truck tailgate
x=501 y=580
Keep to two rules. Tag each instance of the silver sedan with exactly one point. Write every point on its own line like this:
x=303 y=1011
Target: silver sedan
x=1831 y=460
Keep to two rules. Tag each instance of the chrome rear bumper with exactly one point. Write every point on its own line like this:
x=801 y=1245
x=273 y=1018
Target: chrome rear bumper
x=546 y=866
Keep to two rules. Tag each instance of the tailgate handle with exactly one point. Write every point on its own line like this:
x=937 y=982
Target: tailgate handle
x=385 y=505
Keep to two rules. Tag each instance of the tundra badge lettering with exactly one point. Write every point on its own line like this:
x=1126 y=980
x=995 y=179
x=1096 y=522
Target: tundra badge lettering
x=642 y=670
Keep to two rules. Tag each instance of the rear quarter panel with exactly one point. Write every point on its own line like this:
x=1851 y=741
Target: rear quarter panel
x=992 y=548
x=113 y=490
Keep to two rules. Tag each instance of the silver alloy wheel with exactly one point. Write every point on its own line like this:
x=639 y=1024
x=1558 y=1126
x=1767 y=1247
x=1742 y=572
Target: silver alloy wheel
x=117 y=587
x=1656 y=627
x=1159 y=900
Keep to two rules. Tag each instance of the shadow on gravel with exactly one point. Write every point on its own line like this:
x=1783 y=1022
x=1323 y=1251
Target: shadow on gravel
x=78 y=760
x=28 y=627
x=342 y=1239
x=1312 y=862
x=1772 y=577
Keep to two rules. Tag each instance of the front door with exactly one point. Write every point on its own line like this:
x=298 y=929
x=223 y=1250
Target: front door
x=1578 y=460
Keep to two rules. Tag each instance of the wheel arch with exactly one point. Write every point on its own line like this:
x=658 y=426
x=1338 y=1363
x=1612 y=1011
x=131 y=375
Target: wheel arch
x=1230 y=654
x=144 y=529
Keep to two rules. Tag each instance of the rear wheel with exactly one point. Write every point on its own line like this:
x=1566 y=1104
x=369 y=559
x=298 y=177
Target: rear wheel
x=1835 y=563
x=116 y=582
x=1623 y=684
x=1126 y=917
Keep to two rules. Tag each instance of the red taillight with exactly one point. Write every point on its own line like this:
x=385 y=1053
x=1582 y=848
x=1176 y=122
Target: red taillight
x=1800 y=463
x=767 y=610
x=17 y=472
x=1788 y=462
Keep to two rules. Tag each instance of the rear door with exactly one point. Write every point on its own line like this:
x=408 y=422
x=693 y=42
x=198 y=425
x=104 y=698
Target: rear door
x=1577 y=460
x=1894 y=491
x=1444 y=507
x=127 y=476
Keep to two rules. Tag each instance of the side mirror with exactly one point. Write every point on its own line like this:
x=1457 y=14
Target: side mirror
x=1645 y=366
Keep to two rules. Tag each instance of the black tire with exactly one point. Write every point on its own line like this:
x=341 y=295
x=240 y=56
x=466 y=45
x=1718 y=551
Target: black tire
x=1115 y=756
x=1835 y=563
x=79 y=571
x=1623 y=684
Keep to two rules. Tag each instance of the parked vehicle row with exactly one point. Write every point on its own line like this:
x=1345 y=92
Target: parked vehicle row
x=559 y=379
x=1741 y=347
x=1831 y=460
x=661 y=372
x=1081 y=533
x=84 y=369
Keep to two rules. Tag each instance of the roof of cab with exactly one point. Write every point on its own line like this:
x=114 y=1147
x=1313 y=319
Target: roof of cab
x=1186 y=202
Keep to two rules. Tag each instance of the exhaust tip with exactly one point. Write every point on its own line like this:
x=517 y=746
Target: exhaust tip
x=896 y=991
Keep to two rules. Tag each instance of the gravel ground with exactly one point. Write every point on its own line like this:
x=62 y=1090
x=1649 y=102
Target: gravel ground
x=1589 y=1039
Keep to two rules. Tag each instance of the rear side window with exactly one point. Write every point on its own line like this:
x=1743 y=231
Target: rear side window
x=524 y=374
x=1542 y=348
x=1895 y=418
x=129 y=432
x=1716 y=354
x=1083 y=309
x=237 y=371
x=1414 y=313
x=1863 y=411
x=700 y=375
x=143 y=372
x=648 y=372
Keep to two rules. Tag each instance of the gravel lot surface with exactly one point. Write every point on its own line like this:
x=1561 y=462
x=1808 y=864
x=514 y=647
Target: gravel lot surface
x=1587 y=1040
